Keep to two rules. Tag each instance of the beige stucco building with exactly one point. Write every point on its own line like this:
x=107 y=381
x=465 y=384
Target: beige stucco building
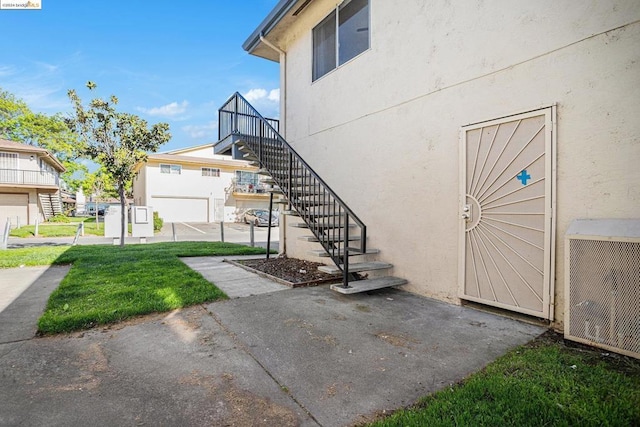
x=467 y=136
x=194 y=185
x=29 y=183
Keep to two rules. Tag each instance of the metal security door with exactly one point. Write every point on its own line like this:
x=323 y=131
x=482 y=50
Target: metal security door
x=506 y=231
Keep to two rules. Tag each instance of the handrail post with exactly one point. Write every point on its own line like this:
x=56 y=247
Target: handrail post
x=363 y=239
x=235 y=116
x=290 y=177
x=345 y=262
x=269 y=226
x=260 y=145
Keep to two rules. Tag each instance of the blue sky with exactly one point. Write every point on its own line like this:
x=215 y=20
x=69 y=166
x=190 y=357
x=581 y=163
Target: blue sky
x=173 y=62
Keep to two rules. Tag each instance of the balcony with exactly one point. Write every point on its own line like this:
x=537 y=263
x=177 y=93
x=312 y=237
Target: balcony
x=29 y=178
x=248 y=188
x=235 y=119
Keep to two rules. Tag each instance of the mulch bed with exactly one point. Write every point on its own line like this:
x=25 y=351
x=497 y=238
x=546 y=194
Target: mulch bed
x=289 y=271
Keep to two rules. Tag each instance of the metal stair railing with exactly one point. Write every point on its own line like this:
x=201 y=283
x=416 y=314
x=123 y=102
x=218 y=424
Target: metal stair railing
x=326 y=215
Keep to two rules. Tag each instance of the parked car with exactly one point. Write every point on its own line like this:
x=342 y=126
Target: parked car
x=260 y=217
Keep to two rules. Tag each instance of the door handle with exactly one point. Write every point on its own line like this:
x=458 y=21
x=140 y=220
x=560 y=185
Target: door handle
x=466 y=212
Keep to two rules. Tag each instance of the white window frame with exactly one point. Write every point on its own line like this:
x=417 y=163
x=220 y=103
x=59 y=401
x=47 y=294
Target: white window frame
x=337 y=62
x=9 y=157
x=173 y=169
x=210 y=172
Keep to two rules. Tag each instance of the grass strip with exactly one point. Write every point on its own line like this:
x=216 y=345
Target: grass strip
x=107 y=284
x=58 y=230
x=31 y=256
x=546 y=383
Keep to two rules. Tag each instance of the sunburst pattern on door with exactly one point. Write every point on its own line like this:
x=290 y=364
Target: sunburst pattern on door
x=506 y=231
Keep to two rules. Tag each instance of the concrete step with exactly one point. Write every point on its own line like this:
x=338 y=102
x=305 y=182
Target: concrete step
x=369 y=285
x=356 y=267
x=298 y=225
x=323 y=217
x=308 y=192
x=312 y=202
x=352 y=252
x=315 y=239
x=330 y=225
x=268 y=181
x=290 y=212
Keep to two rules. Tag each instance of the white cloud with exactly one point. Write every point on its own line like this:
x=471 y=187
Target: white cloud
x=267 y=102
x=49 y=68
x=170 y=110
x=6 y=70
x=209 y=130
x=274 y=95
x=259 y=94
x=255 y=95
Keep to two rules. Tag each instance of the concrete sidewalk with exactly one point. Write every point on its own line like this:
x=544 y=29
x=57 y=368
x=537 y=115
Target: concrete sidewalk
x=305 y=356
x=23 y=296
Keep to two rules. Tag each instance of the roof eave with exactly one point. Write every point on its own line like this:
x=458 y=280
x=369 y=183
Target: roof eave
x=269 y=23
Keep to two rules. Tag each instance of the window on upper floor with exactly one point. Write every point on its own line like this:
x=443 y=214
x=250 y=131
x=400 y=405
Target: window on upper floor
x=8 y=160
x=340 y=37
x=171 y=169
x=215 y=172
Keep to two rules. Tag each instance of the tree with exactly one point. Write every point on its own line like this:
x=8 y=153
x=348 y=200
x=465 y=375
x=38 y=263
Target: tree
x=117 y=141
x=19 y=123
x=99 y=183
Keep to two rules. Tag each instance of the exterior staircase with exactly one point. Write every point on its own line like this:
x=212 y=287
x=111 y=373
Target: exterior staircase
x=51 y=204
x=332 y=224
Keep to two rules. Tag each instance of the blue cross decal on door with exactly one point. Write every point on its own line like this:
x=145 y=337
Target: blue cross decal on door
x=523 y=177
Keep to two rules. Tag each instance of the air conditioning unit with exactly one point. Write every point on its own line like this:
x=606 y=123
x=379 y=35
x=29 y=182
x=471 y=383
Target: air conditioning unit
x=602 y=284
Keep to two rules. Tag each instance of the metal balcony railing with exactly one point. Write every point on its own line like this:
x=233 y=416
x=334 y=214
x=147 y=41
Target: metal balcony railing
x=248 y=188
x=23 y=177
x=326 y=215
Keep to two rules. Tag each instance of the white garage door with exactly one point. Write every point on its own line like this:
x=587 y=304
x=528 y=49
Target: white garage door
x=13 y=206
x=175 y=209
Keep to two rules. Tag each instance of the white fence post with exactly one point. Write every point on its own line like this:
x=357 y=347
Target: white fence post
x=5 y=235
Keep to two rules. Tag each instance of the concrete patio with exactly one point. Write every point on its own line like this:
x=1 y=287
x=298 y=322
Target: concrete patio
x=286 y=357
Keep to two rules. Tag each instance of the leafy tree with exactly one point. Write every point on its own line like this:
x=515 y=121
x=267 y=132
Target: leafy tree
x=19 y=123
x=117 y=141
x=99 y=184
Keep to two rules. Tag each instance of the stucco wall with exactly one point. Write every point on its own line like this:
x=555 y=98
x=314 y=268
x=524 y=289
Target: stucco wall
x=189 y=184
x=383 y=130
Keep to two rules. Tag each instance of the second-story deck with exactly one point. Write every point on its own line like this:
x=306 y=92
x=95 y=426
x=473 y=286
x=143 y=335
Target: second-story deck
x=28 y=178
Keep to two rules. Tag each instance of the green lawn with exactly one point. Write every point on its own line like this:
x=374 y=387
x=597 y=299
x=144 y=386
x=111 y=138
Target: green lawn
x=61 y=229
x=545 y=383
x=58 y=230
x=107 y=284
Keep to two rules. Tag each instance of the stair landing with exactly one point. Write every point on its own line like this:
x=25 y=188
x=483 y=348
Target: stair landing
x=369 y=285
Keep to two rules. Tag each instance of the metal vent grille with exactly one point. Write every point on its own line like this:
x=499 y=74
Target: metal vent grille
x=604 y=294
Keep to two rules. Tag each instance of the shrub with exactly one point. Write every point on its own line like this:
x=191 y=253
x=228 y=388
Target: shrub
x=157 y=222
x=59 y=218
